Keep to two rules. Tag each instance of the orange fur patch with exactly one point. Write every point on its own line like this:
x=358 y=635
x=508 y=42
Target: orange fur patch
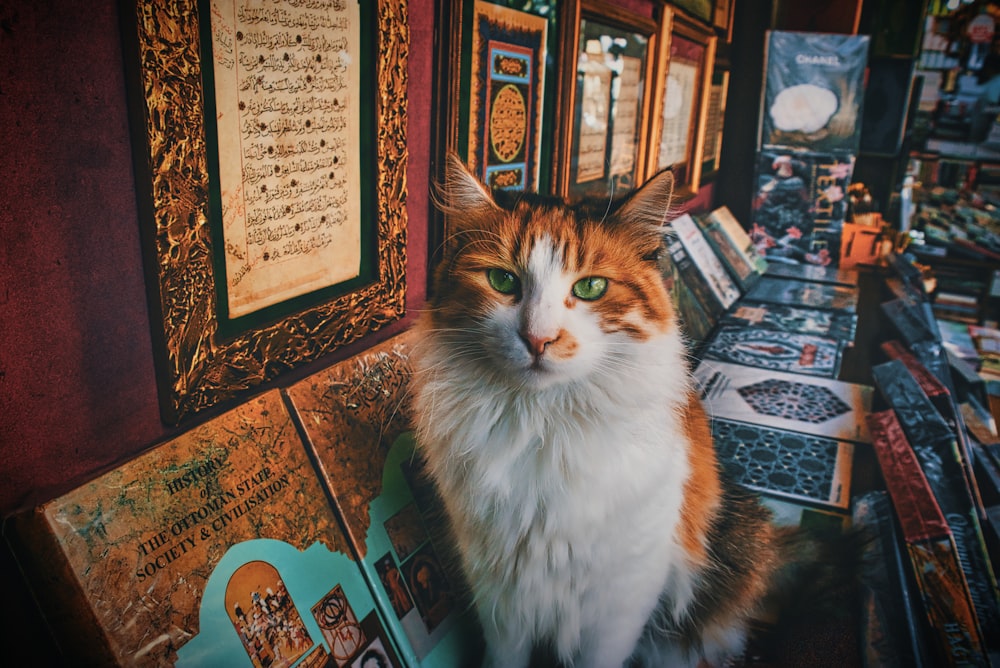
x=702 y=491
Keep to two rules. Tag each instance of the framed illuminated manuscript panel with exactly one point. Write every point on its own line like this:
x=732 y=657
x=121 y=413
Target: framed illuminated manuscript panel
x=492 y=85
x=605 y=99
x=270 y=155
x=683 y=81
x=506 y=92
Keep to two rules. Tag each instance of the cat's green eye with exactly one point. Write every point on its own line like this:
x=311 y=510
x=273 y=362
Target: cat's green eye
x=590 y=288
x=503 y=281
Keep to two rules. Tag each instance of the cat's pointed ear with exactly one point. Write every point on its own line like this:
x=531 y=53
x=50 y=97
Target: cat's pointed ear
x=460 y=195
x=646 y=211
x=649 y=206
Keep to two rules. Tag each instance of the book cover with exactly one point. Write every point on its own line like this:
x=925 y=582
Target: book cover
x=814 y=272
x=704 y=258
x=936 y=450
x=801 y=467
x=807 y=404
x=933 y=552
x=891 y=631
x=733 y=246
x=770 y=349
x=799 y=206
x=944 y=401
x=697 y=308
x=355 y=418
x=188 y=555
x=907 y=321
x=804 y=293
x=833 y=323
x=813 y=90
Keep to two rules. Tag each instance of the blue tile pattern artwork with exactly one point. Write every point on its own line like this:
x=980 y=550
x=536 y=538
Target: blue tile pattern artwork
x=783 y=462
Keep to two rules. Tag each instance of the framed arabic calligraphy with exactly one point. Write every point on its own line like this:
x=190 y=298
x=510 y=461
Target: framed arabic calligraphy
x=270 y=156
x=683 y=85
x=605 y=99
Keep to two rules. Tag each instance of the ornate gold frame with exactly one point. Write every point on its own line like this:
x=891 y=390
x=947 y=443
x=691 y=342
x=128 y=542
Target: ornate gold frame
x=197 y=367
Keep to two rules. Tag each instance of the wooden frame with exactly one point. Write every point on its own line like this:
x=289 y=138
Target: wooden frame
x=715 y=115
x=587 y=27
x=683 y=78
x=702 y=9
x=203 y=357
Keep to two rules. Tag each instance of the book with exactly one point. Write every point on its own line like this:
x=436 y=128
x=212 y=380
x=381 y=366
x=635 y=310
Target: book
x=936 y=450
x=806 y=404
x=804 y=293
x=697 y=309
x=891 y=630
x=188 y=555
x=814 y=272
x=813 y=90
x=932 y=550
x=733 y=246
x=707 y=262
x=355 y=420
x=833 y=323
x=800 y=205
x=907 y=321
x=800 y=467
x=945 y=402
x=770 y=349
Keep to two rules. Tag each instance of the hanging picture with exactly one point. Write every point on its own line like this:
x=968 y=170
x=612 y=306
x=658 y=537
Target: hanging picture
x=270 y=172
x=606 y=89
x=507 y=82
x=683 y=82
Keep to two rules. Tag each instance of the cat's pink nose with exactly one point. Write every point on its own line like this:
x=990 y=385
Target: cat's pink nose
x=537 y=344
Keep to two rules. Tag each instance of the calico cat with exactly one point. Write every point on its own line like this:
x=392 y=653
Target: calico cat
x=555 y=411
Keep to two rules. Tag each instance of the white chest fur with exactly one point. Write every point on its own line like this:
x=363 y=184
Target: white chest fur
x=564 y=501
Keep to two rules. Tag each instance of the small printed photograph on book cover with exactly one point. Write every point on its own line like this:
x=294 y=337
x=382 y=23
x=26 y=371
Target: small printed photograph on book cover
x=798 y=466
x=770 y=349
x=804 y=293
x=781 y=400
x=723 y=219
x=356 y=421
x=833 y=323
x=216 y=548
x=737 y=253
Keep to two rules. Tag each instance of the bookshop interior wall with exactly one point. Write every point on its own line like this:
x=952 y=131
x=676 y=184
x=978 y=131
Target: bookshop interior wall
x=193 y=345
